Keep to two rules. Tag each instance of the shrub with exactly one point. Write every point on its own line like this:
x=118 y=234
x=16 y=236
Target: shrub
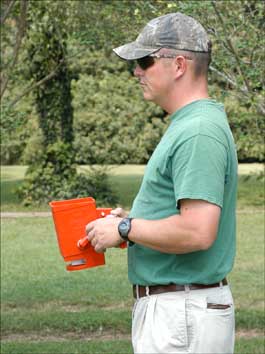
x=54 y=177
x=248 y=130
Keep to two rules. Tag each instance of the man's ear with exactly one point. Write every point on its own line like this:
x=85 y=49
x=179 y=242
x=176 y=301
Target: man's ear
x=180 y=66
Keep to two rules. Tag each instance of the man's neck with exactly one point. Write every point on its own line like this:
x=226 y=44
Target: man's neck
x=185 y=95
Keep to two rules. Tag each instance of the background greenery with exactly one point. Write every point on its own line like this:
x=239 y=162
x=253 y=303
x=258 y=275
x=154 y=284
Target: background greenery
x=112 y=123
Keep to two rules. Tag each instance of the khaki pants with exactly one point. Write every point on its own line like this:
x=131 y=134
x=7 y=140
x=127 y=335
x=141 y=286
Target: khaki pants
x=185 y=322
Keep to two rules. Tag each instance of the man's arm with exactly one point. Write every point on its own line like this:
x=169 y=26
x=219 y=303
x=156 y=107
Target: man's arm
x=193 y=230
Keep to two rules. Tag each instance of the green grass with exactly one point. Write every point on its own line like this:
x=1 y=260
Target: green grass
x=69 y=347
x=250 y=346
x=243 y=346
x=40 y=298
x=30 y=245
x=46 y=309
x=249 y=264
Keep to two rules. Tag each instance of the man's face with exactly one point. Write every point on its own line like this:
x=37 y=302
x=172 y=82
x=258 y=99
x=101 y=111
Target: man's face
x=156 y=81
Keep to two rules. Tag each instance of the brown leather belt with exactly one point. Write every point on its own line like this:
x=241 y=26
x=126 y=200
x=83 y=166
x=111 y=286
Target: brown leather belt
x=159 y=289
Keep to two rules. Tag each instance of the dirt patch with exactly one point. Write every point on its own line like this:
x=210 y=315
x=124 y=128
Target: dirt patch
x=65 y=336
x=49 y=306
x=45 y=214
x=28 y=214
x=99 y=335
x=252 y=333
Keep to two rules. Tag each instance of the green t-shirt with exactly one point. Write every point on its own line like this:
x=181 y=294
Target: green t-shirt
x=195 y=159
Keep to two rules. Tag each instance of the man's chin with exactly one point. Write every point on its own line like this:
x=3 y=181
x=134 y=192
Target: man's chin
x=147 y=96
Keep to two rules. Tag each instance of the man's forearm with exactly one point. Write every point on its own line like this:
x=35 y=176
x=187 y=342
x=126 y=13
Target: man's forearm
x=170 y=235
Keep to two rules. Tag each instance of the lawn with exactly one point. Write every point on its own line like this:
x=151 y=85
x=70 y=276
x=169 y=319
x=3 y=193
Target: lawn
x=46 y=309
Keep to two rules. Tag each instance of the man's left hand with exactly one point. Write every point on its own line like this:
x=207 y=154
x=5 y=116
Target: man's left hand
x=103 y=233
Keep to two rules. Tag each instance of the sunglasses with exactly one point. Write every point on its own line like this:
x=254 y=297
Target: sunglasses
x=147 y=62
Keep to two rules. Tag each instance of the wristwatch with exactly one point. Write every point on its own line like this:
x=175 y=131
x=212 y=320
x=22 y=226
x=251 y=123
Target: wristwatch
x=124 y=228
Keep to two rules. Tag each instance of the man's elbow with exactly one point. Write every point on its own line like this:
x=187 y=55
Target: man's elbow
x=206 y=240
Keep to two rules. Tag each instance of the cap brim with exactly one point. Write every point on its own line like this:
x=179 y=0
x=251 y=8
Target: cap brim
x=133 y=51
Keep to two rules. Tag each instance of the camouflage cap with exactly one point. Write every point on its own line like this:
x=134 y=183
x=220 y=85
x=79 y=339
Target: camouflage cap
x=174 y=30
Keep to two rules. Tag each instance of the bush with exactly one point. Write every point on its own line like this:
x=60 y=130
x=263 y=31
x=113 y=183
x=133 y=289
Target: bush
x=247 y=127
x=95 y=184
x=54 y=177
x=11 y=152
x=13 y=134
x=112 y=122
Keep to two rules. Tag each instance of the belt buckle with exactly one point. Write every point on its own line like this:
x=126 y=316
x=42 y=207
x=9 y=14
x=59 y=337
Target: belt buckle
x=137 y=291
x=147 y=290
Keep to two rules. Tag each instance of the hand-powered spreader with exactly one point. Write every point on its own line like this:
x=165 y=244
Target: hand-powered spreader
x=70 y=219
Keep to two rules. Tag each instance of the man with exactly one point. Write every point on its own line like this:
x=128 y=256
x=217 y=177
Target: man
x=181 y=229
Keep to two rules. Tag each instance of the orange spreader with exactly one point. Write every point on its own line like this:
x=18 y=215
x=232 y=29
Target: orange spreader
x=70 y=219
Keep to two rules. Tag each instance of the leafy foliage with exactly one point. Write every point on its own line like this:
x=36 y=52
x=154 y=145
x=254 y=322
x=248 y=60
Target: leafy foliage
x=112 y=124
x=46 y=54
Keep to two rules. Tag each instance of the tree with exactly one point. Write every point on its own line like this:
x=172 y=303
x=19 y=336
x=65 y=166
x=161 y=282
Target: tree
x=53 y=174
x=16 y=24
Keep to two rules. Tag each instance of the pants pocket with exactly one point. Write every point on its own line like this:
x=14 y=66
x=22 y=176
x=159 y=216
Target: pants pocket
x=159 y=325
x=214 y=324
x=170 y=320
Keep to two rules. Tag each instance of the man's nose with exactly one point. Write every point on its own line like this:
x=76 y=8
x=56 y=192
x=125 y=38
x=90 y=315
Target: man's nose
x=138 y=71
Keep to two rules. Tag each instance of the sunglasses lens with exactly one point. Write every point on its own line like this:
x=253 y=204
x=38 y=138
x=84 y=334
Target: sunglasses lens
x=145 y=62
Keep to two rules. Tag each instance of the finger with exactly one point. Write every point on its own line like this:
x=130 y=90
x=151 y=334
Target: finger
x=99 y=249
x=89 y=227
x=91 y=236
x=117 y=212
x=94 y=242
x=114 y=212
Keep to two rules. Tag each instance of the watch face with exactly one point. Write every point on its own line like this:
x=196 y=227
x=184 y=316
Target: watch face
x=124 y=228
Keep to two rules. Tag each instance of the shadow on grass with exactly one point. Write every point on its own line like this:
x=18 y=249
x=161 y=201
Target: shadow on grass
x=9 y=193
x=251 y=191
x=10 y=201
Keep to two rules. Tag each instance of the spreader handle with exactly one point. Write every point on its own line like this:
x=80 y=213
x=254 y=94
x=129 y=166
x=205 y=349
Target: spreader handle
x=83 y=243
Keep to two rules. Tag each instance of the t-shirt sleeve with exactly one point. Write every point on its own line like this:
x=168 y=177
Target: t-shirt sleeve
x=199 y=170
